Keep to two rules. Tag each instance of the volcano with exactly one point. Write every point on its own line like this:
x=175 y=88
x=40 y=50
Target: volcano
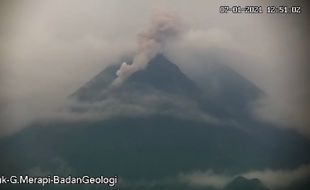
x=161 y=123
x=164 y=78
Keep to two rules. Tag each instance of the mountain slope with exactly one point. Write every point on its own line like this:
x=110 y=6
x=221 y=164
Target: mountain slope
x=92 y=89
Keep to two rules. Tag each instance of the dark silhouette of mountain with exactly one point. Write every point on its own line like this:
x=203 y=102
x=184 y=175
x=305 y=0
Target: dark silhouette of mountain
x=242 y=183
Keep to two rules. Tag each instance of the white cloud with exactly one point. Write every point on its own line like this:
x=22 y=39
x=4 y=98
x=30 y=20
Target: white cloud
x=205 y=179
x=274 y=179
x=277 y=179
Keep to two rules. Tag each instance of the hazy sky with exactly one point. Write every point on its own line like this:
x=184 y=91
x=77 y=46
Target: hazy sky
x=50 y=48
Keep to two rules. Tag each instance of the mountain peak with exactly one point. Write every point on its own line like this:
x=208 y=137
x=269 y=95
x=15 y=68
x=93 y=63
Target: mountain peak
x=161 y=60
x=161 y=74
x=243 y=183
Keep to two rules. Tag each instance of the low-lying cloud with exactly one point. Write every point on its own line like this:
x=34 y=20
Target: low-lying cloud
x=273 y=179
x=134 y=104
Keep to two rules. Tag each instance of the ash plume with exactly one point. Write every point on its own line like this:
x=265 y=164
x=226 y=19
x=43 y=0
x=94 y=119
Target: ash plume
x=164 y=27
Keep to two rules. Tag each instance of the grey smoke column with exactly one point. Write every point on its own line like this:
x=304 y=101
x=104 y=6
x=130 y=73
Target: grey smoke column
x=164 y=26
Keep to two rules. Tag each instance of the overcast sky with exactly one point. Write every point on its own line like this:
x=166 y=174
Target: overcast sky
x=50 y=48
